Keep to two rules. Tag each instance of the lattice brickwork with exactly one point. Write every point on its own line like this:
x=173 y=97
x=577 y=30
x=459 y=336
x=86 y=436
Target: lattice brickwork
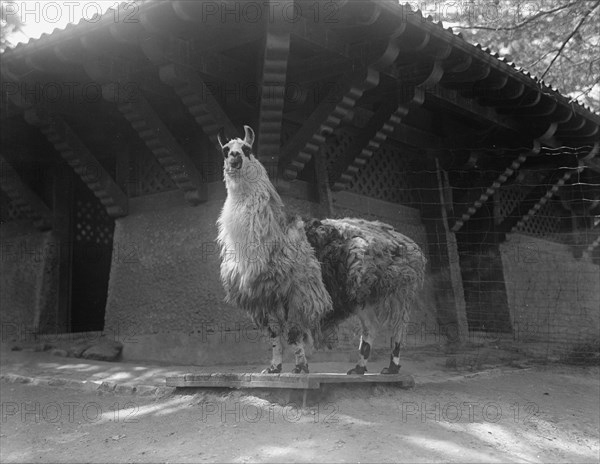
x=509 y=197
x=336 y=146
x=92 y=224
x=384 y=177
x=148 y=175
x=545 y=224
x=13 y=212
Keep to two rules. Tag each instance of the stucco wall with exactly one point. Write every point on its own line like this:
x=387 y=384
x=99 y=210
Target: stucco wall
x=28 y=281
x=165 y=276
x=552 y=297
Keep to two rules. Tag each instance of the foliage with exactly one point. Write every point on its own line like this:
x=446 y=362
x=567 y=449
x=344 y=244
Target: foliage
x=556 y=41
x=10 y=24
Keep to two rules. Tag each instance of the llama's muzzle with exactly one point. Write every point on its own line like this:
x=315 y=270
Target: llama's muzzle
x=235 y=162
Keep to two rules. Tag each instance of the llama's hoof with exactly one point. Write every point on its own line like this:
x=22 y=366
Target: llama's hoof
x=360 y=370
x=392 y=369
x=300 y=368
x=272 y=369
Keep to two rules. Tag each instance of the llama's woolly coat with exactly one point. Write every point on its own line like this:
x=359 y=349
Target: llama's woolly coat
x=367 y=263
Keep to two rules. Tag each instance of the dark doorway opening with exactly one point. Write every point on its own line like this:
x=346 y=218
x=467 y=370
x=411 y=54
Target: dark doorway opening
x=92 y=242
x=483 y=274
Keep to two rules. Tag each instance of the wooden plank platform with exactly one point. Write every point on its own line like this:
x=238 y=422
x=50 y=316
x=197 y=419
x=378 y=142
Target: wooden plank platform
x=286 y=381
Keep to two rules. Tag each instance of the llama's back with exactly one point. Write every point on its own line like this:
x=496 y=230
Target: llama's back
x=368 y=263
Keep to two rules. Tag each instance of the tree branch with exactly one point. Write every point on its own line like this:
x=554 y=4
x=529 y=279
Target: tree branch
x=585 y=91
x=524 y=23
x=570 y=37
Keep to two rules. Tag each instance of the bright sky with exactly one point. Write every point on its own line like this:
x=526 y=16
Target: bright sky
x=45 y=16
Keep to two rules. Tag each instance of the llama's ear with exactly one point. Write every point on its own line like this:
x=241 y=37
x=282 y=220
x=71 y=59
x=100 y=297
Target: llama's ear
x=221 y=137
x=248 y=135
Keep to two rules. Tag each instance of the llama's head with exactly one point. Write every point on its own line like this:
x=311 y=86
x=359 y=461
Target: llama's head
x=240 y=166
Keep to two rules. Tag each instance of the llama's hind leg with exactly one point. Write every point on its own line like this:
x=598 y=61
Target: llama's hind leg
x=368 y=320
x=399 y=338
x=296 y=339
x=275 y=337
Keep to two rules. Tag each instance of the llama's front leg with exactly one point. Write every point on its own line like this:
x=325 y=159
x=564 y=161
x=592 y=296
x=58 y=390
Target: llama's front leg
x=277 y=347
x=296 y=338
x=368 y=320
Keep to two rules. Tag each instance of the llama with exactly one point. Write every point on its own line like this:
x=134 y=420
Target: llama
x=299 y=280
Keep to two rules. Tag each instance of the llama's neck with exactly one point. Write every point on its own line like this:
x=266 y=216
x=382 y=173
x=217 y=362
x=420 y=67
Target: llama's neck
x=252 y=215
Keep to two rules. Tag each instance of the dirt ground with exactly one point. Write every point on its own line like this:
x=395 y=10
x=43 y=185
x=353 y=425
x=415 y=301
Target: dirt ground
x=542 y=414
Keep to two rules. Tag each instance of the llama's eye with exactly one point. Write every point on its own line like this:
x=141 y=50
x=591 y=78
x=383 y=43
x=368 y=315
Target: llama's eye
x=247 y=151
x=226 y=152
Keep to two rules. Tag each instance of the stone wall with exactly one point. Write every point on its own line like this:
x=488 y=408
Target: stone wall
x=167 y=282
x=28 y=281
x=553 y=297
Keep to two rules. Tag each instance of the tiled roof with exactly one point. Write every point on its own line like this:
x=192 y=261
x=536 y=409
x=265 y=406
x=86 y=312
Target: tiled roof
x=84 y=26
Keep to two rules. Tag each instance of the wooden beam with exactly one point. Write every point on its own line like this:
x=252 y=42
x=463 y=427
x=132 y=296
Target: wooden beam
x=299 y=149
x=542 y=201
x=329 y=113
x=511 y=90
x=452 y=99
x=380 y=53
x=417 y=138
x=272 y=95
x=26 y=200
x=317 y=68
x=81 y=159
x=208 y=20
x=403 y=133
x=292 y=381
x=539 y=195
x=158 y=138
x=389 y=116
x=473 y=72
x=162 y=51
x=322 y=181
x=472 y=207
x=199 y=100
x=381 y=125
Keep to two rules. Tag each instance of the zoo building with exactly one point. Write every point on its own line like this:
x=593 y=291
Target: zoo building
x=112 y=180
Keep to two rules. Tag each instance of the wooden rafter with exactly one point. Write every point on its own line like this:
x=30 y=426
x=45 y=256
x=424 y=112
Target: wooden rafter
x=469 y=107
x=335 y=106
x=403 y=133
x=81 y=159
x=199 y=100
x=272 y=94
x=208 y=22
x=172 y=56
x=157 y=137
x=145 y=121
x=542 y=201
x=388 y=117
x=548 y=194
x=304 y=144
x=24 y=197
x=472 y=207
x=382 y=124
